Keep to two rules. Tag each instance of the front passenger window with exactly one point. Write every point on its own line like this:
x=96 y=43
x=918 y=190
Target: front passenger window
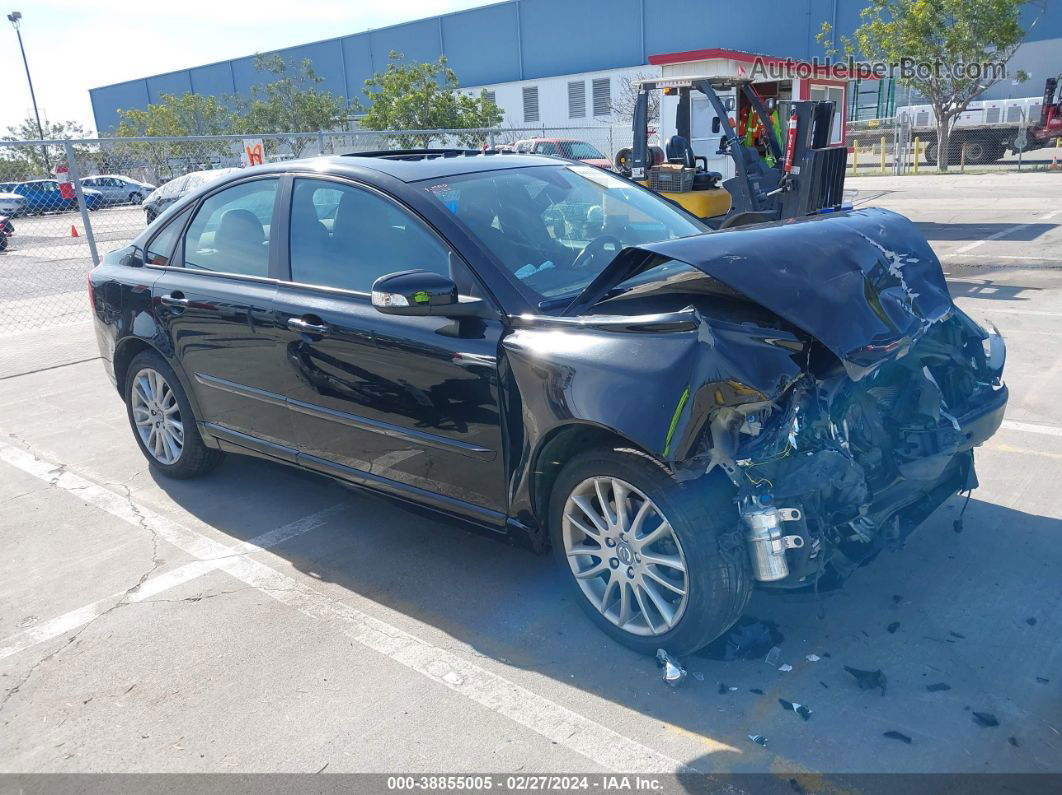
x=230 y=232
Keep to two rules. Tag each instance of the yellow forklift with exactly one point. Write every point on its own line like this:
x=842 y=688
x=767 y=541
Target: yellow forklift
x=792 y=172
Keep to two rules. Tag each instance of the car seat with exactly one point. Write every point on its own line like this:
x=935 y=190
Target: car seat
x=240 y=244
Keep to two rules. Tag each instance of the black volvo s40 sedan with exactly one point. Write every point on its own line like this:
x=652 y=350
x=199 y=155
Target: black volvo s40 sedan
x=560 y=356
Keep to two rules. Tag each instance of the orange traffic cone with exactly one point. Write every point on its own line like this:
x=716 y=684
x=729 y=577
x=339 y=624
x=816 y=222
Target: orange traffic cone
x=1054 y=161
x=73 y=231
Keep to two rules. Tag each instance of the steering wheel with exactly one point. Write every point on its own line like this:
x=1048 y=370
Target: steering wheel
x=593 y=248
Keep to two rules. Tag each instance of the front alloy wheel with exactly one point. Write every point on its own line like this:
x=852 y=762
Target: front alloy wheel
x=625 y=556
x=157 y=416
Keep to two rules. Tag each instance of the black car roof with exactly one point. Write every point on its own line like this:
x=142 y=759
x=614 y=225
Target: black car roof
x=411 y=170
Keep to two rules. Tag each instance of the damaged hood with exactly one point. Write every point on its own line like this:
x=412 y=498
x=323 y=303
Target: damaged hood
x=865 y=283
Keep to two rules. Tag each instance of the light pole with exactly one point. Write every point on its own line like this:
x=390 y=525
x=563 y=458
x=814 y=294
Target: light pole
x=15 y=18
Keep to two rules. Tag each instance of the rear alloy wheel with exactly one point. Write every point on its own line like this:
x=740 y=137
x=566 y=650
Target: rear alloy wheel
x=162 y=419
x=135 y=198
x=654 y=563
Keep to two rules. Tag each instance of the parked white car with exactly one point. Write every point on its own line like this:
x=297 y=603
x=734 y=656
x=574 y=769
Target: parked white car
x=11 y=204
x=118 y=189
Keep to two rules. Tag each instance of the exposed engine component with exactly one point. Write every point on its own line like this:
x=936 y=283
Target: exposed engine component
x=765 y=541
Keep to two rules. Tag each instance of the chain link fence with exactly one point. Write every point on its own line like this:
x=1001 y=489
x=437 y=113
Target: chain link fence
x=68 y=203
x=991 y=135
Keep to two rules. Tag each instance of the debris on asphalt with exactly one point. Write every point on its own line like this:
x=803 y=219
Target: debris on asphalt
x=896 y=598
x=868 y=680
x=673 y=672
x=813 y=658
x=986 y=719
x=756 y=690
x=1031 y=621
x=698 y=676
x=936 y=687
x=826 y=654
x=799 y=709
x=759 y=739
x=958 y=635
x=774 y=656
x=891 y=628
x=785 y=668
x=903 y=738
x=824 y=684
x=1013 y=741
x=725 y=688
x=749 y=639
x=1042 y=680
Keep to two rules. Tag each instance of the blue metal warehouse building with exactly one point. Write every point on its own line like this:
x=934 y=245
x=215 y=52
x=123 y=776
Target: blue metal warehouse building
x=523 y=40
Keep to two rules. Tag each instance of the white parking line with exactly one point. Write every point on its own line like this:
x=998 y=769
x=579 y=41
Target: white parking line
x=1029 y=427
x=1003 y=233
x=60 y=625
x=566 y=728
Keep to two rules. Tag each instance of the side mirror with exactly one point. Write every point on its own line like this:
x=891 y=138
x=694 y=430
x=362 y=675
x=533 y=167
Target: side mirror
x=419 y=292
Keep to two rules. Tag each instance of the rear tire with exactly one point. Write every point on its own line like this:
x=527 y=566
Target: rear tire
x=162 y=420
x=716 y=580
x=135 y=198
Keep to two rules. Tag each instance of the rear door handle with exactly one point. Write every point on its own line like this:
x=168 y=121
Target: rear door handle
x=306 y=327
x=174 y=299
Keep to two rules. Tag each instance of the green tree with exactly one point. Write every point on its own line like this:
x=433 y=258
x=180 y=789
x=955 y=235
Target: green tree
x=290 y=102
x=28 y=162
x=424 y=96
x=173 y=115
x=951 y=33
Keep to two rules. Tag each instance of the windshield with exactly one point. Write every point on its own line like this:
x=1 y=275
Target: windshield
x=580 y=150
x=555 y=228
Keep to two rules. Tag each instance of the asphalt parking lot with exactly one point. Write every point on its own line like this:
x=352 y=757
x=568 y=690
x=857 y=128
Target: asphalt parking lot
x=269 y=620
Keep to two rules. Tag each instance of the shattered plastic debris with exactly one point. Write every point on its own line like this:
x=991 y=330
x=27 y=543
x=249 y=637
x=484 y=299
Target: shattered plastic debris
x=1042 y=680
x=824 y=684
x=756 y=690
x=698 y=676
x=799 y=709
x=785 y=668
x=773 y=656
x=1013 y=741
x=937 y=687
x=958 y=635
x=891 y=628
x=986 y=719
x=813 y=658
x=1031 y=621
x=903 y=738
x=749 y=639
x=759 y=739
x=725 y=688
x=896 y=598
x=673 y=672
x=868 y=680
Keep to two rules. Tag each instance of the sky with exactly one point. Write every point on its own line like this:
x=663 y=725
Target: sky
x=75 y=45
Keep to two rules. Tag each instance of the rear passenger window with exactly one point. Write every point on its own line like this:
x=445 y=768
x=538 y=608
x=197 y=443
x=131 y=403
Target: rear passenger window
x=230 y=232
x=347 y=237
x=160 y=249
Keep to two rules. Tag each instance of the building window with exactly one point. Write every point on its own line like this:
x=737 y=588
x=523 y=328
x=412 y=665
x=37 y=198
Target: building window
x=577 y=100
x=530 y=103
x=602 y=97
x=489 y=95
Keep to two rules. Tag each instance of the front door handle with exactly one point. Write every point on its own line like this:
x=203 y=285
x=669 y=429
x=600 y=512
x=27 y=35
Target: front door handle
x=175 y=299
x=306 y=327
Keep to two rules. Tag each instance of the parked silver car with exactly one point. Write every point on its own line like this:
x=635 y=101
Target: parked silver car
x=118 y=189
x=169 y=192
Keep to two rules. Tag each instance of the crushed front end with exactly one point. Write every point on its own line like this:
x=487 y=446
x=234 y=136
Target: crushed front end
x=838 y=469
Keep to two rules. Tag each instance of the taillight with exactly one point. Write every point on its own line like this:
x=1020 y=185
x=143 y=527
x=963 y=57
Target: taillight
x=92 y=293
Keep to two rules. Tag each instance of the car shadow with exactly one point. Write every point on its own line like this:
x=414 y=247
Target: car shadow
x=990 y=290
x=1011 y=233
x=943 y=592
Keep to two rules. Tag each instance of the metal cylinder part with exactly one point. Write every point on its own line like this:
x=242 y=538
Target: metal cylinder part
x=766 y=543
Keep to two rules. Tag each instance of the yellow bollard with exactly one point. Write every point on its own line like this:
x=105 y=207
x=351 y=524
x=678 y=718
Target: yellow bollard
x=883 y=154
x=917 y=153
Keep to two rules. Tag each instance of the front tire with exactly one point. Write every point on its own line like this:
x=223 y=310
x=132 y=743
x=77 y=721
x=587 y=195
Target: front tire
x=162 y=420
x=654 y=564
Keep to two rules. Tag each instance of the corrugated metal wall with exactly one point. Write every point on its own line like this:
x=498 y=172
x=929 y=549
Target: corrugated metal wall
x=528 y=39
